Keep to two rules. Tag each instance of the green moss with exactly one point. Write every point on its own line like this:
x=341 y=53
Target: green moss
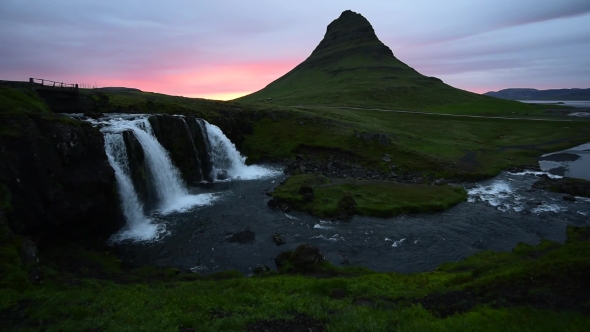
x=18 y=100
x=12 y=272
x=5 y=197
x=370 y=197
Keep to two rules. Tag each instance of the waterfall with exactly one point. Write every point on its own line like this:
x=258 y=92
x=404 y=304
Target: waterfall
x=214 y=151
x=225 y=156
x=139 y=226
x=165 y=176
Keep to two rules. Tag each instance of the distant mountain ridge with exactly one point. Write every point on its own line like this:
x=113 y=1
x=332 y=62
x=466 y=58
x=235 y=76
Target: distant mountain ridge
x=352 y=67
x=534 y=94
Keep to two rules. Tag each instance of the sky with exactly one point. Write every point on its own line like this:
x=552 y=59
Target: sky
x=224 y=49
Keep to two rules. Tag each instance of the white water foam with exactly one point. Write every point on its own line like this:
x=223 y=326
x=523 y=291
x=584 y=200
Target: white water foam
x=334 y=238
x=493 y=193
x=225 y=156
x=322 y=225
x=290 y=217
x=548 y=208
x=398 y=242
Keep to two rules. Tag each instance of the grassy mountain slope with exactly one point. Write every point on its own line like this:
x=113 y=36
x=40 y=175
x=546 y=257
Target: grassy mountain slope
x=352 y=67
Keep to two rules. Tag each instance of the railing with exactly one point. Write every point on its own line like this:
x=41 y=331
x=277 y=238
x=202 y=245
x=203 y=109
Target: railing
x=52 y=84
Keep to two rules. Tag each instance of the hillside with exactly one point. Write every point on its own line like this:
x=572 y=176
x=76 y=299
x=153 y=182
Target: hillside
x=352 y=67
x=534 y=94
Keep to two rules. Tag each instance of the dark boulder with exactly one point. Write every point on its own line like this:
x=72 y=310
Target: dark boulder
x=221 y=175
x=305 y=258
x=278 y=239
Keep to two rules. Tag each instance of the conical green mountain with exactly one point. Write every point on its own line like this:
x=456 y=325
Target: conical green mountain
x=352 y=67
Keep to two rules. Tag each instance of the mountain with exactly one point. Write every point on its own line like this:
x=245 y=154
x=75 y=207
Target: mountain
x=352 y=67
x=534 y=94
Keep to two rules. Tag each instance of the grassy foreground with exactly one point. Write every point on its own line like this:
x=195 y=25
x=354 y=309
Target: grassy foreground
x=326 y=197
x=533 y=288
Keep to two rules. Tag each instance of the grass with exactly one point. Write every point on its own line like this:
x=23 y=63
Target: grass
x=525 y=290
x=332 y=197
x=444 y=146
x=17 y=100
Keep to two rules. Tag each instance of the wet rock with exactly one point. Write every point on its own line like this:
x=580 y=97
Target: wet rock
x=175 y=136
x=561 y=157
x=569 y=198
x=137 y=167
x=346 y=206
x=279 y=204
x=305 y=258
x=261 y=269
x=278 y=239
x=222 y=175
x=242 y=237
x=570 y=186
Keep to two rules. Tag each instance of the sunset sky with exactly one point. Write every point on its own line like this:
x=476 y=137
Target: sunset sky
x=224 y=49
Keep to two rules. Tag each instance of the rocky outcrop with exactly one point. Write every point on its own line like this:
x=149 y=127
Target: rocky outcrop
x=60 y=182
x=201 y=143
x=305 y=258
x=570 y=186
x=174 y=135
x=138 y=168
x=382 y=139
x=351 y=29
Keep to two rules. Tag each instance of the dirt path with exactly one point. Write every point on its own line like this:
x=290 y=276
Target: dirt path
x=443 y=114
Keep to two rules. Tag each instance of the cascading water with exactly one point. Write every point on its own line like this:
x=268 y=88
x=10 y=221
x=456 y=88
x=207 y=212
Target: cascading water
x=165 y=177
x=225 y=156
x=171 y=193
x=139 y=226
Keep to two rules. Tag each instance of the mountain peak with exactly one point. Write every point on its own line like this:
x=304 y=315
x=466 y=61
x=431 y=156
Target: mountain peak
x=348 y=31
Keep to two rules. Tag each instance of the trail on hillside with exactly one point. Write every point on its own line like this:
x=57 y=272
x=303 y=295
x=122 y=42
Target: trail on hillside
x=441 y=114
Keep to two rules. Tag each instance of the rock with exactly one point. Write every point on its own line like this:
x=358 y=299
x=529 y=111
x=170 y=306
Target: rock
x=242 y=237
x=278 y=239
x=175 y=135
x=59 y=178
x=261 y=269
x=277 y=203
x=305 y=258
x=346 y=206
x=386 y=158
x=569 y=198
x=137 y=167
x=569 y=186
x=222 y=175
